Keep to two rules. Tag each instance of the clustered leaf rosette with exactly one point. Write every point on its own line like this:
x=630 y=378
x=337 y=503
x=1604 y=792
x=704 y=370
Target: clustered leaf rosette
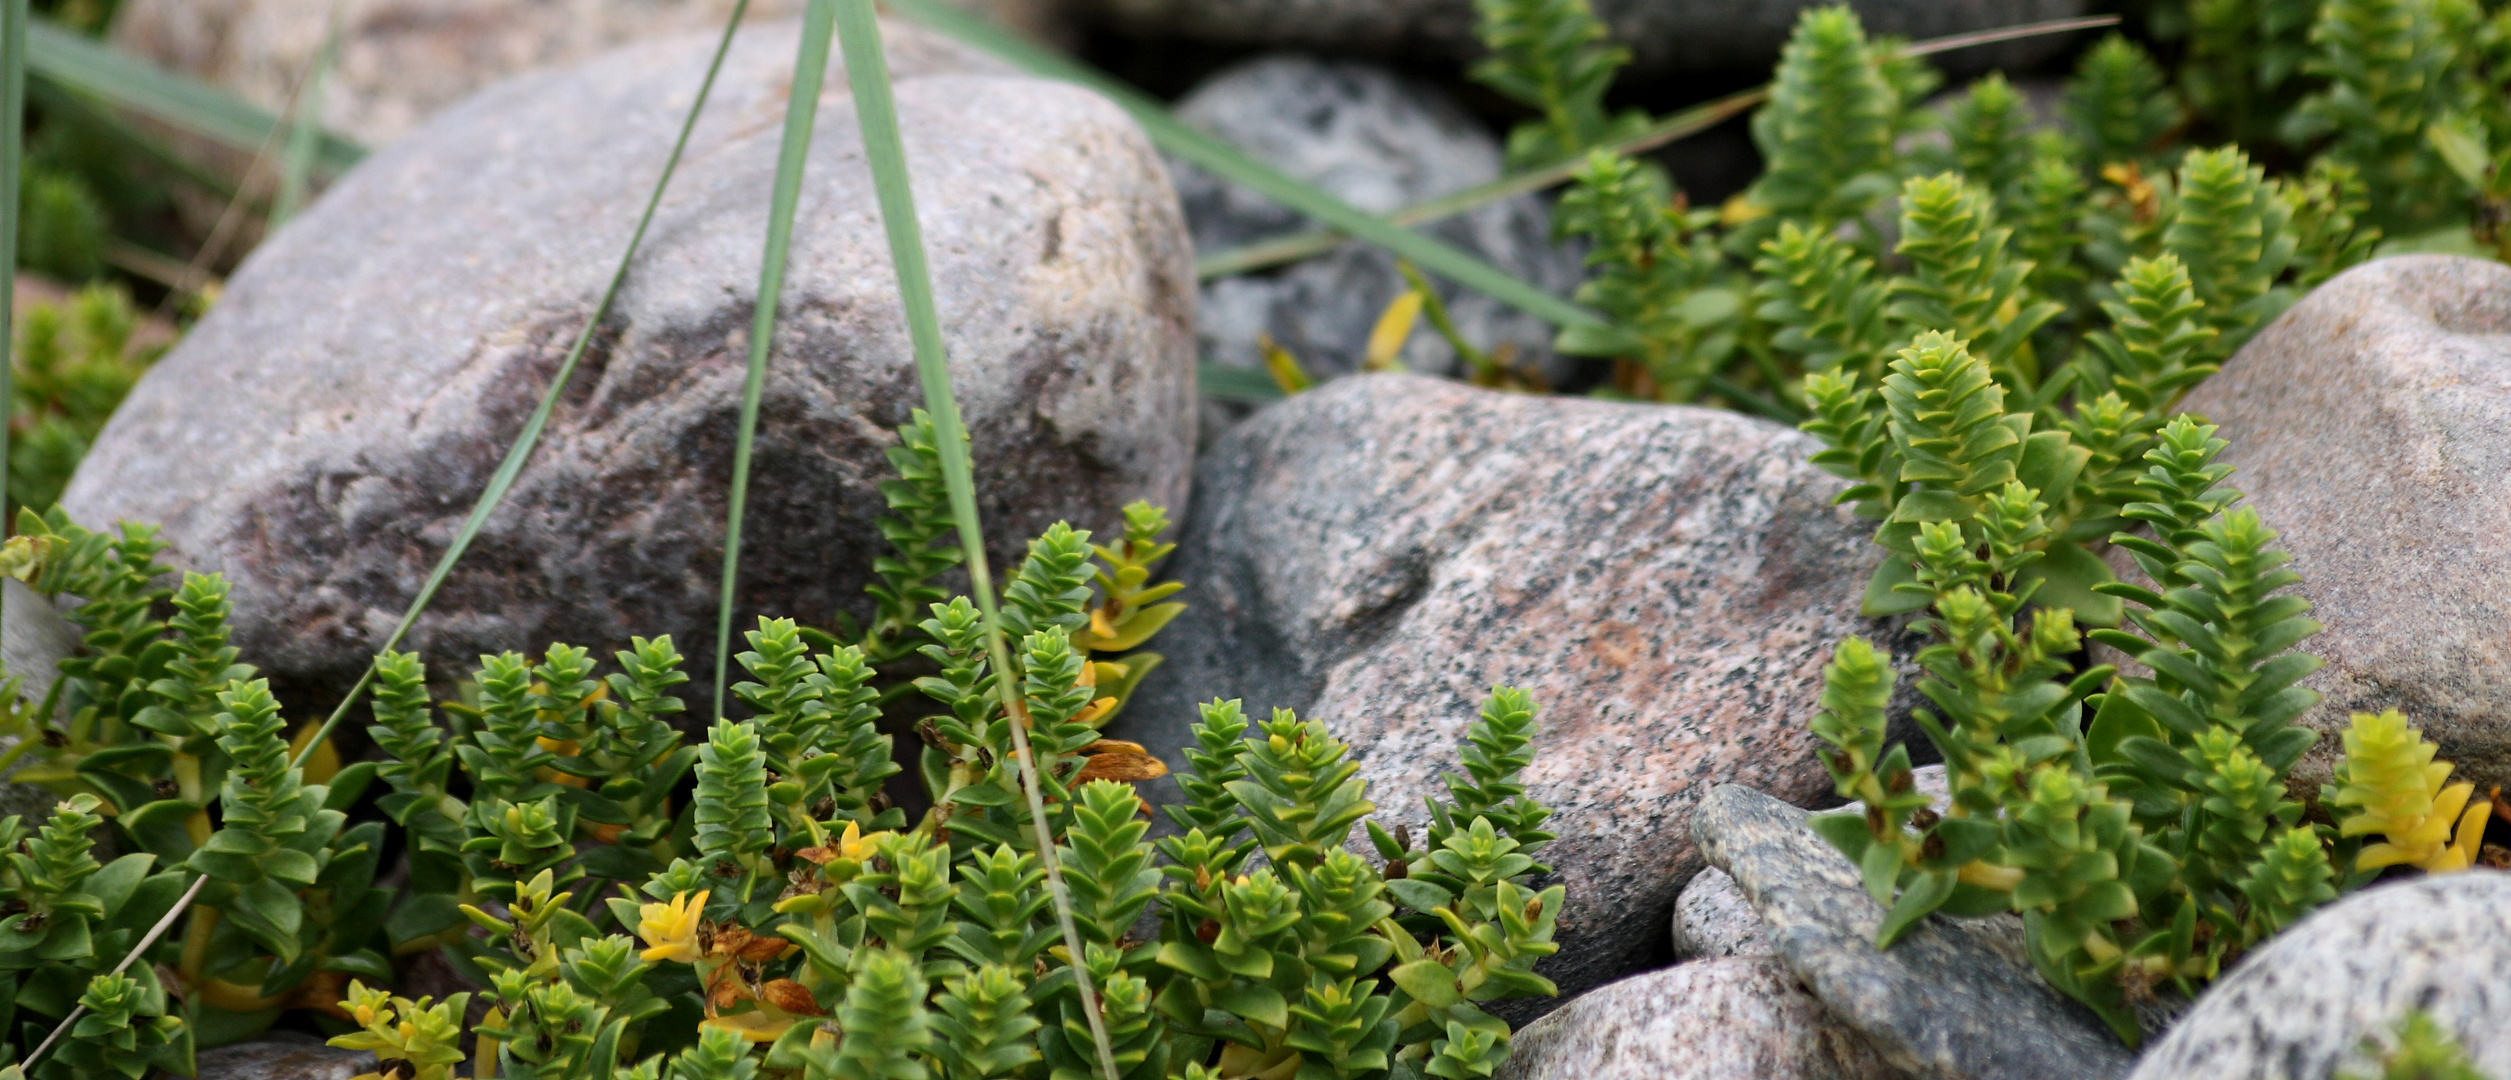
x=2138 y=823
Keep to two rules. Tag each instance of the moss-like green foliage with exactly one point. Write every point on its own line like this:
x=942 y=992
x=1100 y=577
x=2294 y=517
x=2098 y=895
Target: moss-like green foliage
x=1988 y=130
x=2241 y=65
x=2117 y=839
x=2392 y=68
x=2116 y=105
x=1963 y=282
x=1826 y=136
x=74 y=363
x=1825 y=301
x=2235 y=237
x=1556 y=57
x=2390 y=786
x=1659 y=274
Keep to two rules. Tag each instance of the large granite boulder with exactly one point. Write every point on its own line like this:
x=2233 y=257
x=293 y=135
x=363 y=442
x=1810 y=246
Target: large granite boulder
x=2305 y=1006
x=1731 y=1019
x=1665 y=37
x=1379 y=142
x=1667 y=582
x=401 y=61
x=322 y=433
x=2371 y=427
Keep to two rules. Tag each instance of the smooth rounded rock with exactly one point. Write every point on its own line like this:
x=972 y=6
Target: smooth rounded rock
x=402 y=61
x=1666 y=582
x=1953 y=999
x=323 y=432
x=1742 y=1018
x=1664 y=36
x=1379 y=142
x=2370 y=426
x=1712 y=920
x=2303 y=1006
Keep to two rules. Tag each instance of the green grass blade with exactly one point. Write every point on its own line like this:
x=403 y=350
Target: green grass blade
x=802 y=110
x=530 y=436
x=13 y=25
x=1224 y=383
x=1430 y=254
x=867 y=72
x=1266 y=254
x=305 y=125
x=73 y=61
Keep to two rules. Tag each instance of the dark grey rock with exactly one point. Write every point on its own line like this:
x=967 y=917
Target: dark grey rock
x=1712 y=918
x=283 y=1055
x=322 y=433
x=1378 y=142
x=2371 y=426
x=1666 y=582
x=2302 y=1007
x=1664 y=36
x=1955 y=999
x=1730 y=1019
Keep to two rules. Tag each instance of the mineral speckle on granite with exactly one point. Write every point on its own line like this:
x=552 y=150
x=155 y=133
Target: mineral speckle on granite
x=1951 y=1000
x=1666 y=582
x=1741 y=1018
x=1712 y=919
x=2301 y=1007
x=2371 y=427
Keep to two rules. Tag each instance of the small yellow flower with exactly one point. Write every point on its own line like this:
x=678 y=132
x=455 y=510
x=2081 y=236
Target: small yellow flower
x=670 y=930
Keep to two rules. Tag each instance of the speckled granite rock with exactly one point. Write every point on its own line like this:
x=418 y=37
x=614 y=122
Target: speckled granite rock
x=1712 y=918
x=1665 y=36
x=283 y=1055
x=1955 y=999
x=402 y=61
x=1666 y=582
x=2371 y=427
x=320 y=435
x=1731 y=1019
x=1379 y=142
x=2300 y=1008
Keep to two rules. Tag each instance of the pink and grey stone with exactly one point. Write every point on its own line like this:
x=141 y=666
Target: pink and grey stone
x=1666 y=582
